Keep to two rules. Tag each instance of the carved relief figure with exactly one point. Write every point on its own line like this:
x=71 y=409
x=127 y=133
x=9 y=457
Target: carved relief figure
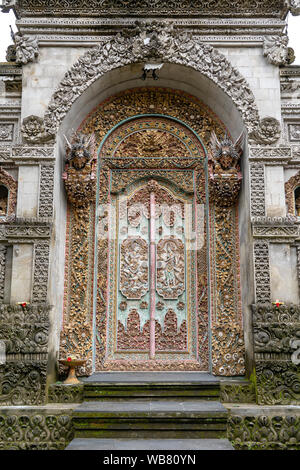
x=134 y=268
x=224 y=169
x=170 y=268
x=79 y=175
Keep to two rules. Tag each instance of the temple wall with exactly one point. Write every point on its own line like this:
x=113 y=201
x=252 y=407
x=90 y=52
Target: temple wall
x=35 y=239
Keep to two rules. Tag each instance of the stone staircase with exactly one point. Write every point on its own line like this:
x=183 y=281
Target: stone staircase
x=137 y=410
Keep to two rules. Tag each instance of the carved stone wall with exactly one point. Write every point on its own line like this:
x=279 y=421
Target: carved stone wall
x=264 y=431
x=25 y=332
x=35 y=429
x=277 y=349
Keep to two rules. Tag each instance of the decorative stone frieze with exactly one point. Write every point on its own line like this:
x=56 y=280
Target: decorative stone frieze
x=275 y=331
x=41 y=272
x=33 y=130
x=167 y=45
x=262 y=271
x=3 y=252
x=46 y=191
x=278 y=155
x=62 y=393
x=27 y=154
x=36 y=429
x=257 y=185
x=25 y=331
x=286 y=229
x=14 y=232
x=268 y=132
x=269 y=430
x=276 y=50
x=220 y=8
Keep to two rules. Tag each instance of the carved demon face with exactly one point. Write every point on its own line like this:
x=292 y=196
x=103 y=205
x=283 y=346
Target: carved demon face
x=226 y=159
x=79 y=159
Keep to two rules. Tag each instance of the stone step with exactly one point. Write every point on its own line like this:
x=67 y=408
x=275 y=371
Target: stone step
x=132 y=385
x=150 y=444
x=152 y=418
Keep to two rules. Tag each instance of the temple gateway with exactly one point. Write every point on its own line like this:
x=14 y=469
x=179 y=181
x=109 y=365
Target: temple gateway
x=150 y=226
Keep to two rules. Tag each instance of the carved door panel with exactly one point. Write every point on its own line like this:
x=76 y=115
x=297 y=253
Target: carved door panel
x=151 y=305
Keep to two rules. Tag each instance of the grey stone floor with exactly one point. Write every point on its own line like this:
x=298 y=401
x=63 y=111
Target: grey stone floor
x=151 y=377
x=150 y=444
x=151 y=406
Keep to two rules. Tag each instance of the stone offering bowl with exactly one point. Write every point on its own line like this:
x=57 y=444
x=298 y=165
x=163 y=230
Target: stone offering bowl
x=72 y=364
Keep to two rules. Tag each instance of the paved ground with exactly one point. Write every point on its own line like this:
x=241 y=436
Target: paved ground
x=150 y=444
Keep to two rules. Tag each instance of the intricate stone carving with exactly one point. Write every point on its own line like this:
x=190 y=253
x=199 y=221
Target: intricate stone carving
x=276 y=49
x=262 y=272
x=6 y=132
x=79 y=174
x=276 y=330
x=170 y=272
x=146 y=8
x=121 y=153
x=134 y=262
x=27 y=49
x=60 y=393
x=41 y=269
x=257 y=184
x=33 y=130
x=35 y=429
x=224 y=170
x=25 y=331
x=294 y=6
x=3 y=252
x=46 y=191
x=268 y=132
x=279 y=431
x=228 y=349
x=179 y=48
x=276 y=227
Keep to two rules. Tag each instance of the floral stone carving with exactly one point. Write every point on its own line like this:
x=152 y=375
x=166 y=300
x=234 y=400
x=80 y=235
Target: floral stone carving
x=79 y=175
x=27 y=49
x=224 y=170
x=166 y=45
x=33 y=130
x=276 y=50
x=268 y=132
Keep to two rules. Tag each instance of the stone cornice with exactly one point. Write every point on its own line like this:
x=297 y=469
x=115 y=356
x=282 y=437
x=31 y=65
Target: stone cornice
x=155 y=8
x=25 y=231
x=276 y=229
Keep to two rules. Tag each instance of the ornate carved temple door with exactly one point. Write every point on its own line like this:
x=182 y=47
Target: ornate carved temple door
x=152 y=280
x=156 y=296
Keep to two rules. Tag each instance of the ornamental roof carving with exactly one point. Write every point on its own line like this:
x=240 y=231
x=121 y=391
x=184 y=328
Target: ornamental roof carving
x=235 y=8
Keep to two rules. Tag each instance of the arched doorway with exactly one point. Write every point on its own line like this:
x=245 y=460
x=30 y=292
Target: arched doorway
x=156 y=285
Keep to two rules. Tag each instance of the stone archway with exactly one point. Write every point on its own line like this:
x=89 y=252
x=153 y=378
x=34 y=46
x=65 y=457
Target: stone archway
x=159 y=43
x=226 y=320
